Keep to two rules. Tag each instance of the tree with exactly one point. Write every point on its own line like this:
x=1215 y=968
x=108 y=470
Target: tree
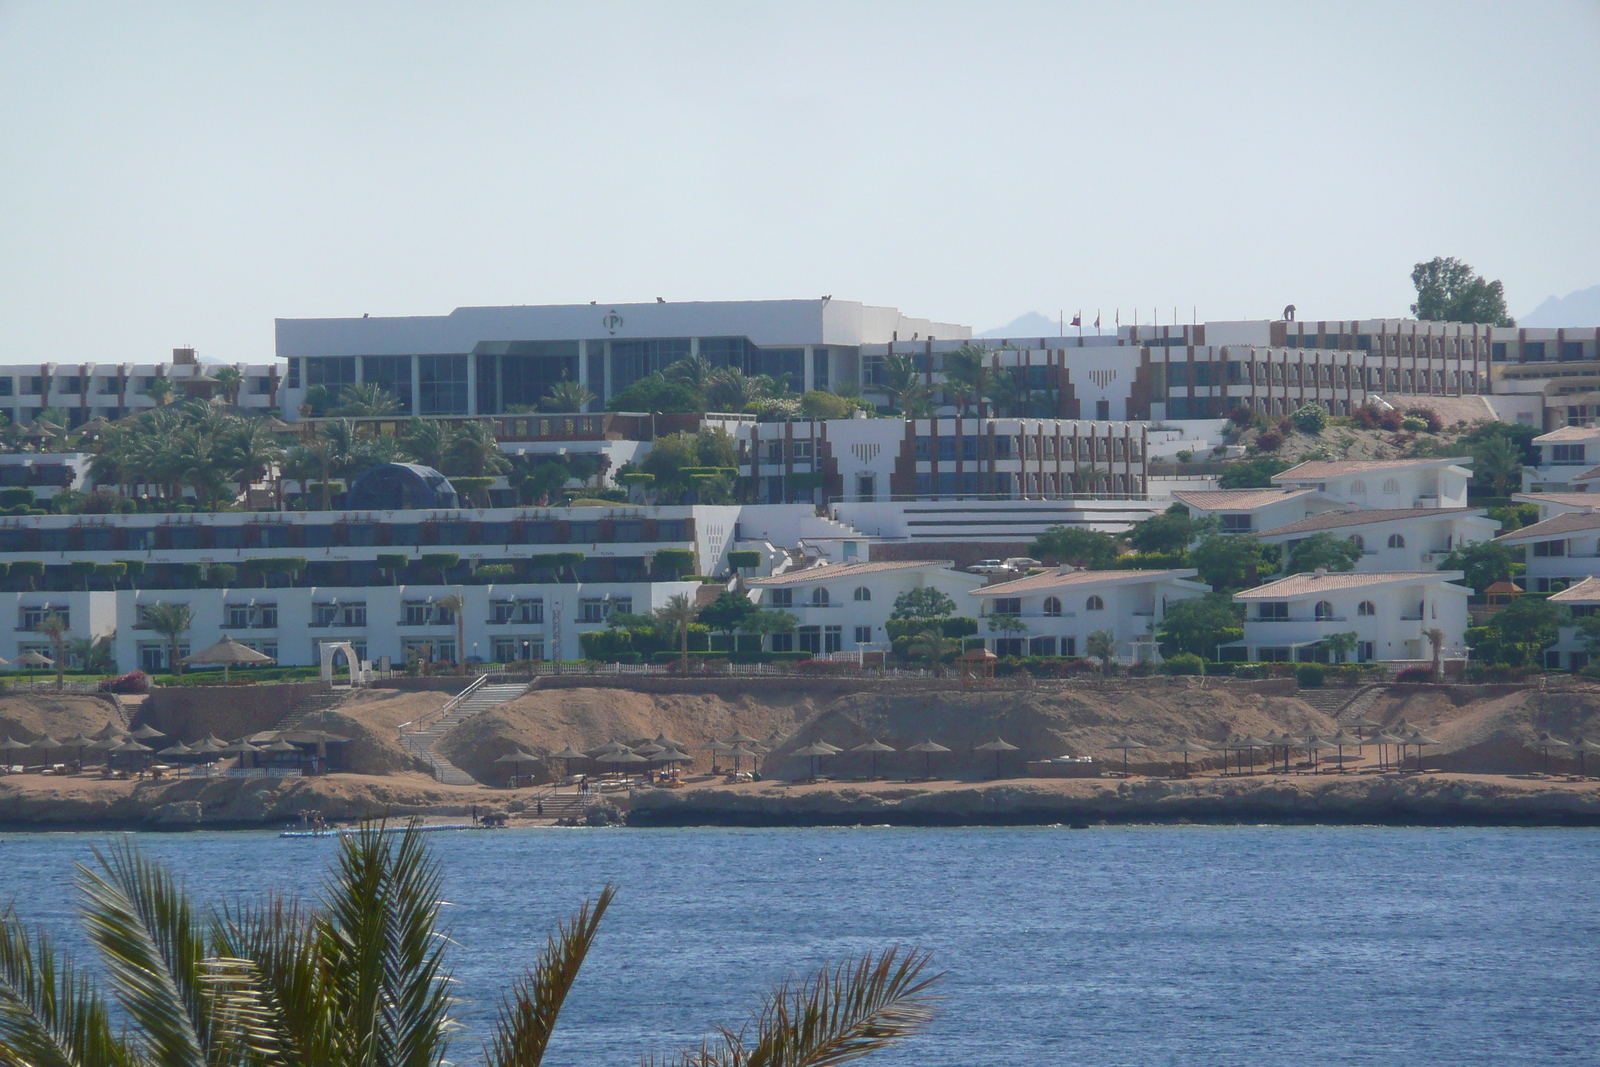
x=1309 y=419
x=743 y=558
x=1170 y=532
x=1230 y=561
x=1482 y=562
x=1322 y=550
x=1496 y=466
x=905 y=384
x=567 y=395
x=93 y=654
x=816 y=404
x=1198 y=625
x=966 y=375
x=231 y=379
x=456 y=605
x=474 y=490
x=1252 y=474
x=1102 y=645
x=1449 y=290
x=1435 y=638
x=1522 y=630
x=134 y=569
x=81 y=571
x=1339 y=646
x=361 y=978
x=428 y=441
x=474 y=451
x=171 y=621
x=1077 y=546
x=669 y=564
x=766 y=623
x=56 y=629
x=441 y=563
x=923 y=602
x=249 y=450
x=730 y=389
x=931 y=646
x=31 y=569
x=159 y=390
x=1007 y=624
x=657 y=395
x=110 y=573
x=675 y=616
x=367 y=400
x=727 y=613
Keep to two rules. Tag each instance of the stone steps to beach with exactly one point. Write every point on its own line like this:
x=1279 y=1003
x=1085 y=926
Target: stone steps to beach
x=309 y=705
x=1335 y=703
x=421 y=743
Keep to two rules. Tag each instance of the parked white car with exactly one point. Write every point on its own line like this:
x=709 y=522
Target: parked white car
x=987 y=566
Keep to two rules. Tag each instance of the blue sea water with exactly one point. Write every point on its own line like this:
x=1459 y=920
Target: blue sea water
x=1109 y=946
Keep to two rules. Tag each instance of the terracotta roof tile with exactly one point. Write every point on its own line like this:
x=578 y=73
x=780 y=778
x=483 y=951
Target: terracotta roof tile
x=1236 y=499
x=1054 y=579
x=1569 y=433
x=1317 y=469
x=847 y=570
x=1337 y=520
x=1571 y=500
x=1555 y=526
x=1585 y=592
x=1304 y=584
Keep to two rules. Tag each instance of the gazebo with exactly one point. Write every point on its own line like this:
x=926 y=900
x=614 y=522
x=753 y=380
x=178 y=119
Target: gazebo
x=1500 y=594
x=976 y=665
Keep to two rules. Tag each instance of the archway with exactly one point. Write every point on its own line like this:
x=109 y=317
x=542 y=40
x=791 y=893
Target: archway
x=329 y=649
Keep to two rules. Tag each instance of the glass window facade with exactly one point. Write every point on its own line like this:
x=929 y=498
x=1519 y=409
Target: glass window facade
x=334 y=372
x=443 y=382
x=632 y=360
x=393 y=373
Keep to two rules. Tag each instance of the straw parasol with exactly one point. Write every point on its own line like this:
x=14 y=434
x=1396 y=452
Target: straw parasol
x=666 y=742
x=817 y=751
x=622 y=756
x=32 y=659
x=742 y=738
x=227 y=652
x=739 y=752
x=11 y=745
x=46 y=743
x=146 y=733
x=650 y=748
x=1366 y=723
x=1345 y=739
x=77 y=741
x=997 y=746
x=928 y=748
x=110 y=729
x=179 y=749
x=1547 y=742
x=1278 y=740
x=874 y=746
x=1127 y=744
x=1384 y=739
x=1419 y=739
x=1582 y=746
x=1252 y=742
x=130 y=747
x=833 y=750
x=516 y=759
x=566 y=756
x=1186 y=746
x=717 y=748
x=1314 y=744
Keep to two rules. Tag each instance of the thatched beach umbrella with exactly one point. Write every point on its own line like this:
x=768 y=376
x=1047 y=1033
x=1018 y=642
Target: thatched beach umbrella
x=242 y=749
x=928 y=748
x=666 y=742
x=739 y=752
x=1384 y=739
x=1419 y=739
x=874 y=746
x=227 y=652
x=742 y=738
x=1127 y=744
x=129 y=747
x=1186 y=746
x=516 y=759
x=46 y=743
x=146 y=733
x=77 y=742
x=718 y=748
x=997 y=746
x=1278 y=740
x=1252 y=742
x=110 y=729
x=814 y=751
x=1583 y=746
x=179 y=749
x=31 y=659
x=1314 y=744
x=566 y=756
x=11 y=746
x=1546 y=743
x=1344 y=739
x=624 y=756
x=1366 y=723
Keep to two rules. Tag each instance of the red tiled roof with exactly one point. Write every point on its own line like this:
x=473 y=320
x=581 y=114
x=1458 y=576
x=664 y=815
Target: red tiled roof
x=1335 y=520
x=1054 y=578
x=1318 y=469
x=1236 y=499
x=1304 y=584
x=1555 y=526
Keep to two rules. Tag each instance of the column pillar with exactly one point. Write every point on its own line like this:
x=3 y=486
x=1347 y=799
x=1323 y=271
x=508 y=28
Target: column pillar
x=416 y=385
x=807 y=375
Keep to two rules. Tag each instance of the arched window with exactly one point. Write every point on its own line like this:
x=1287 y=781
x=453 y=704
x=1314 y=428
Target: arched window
x=1392 y=487
x=863 y=593
x=1094 y=603
x=1052 y=606
x=1358 y=488
x=819 y=597
x=1396 y=541
x=1324 y=610
x=1359 y=541
x=1367 y=608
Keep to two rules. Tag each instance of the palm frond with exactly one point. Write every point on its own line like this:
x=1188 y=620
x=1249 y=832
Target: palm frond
x=837 y=1016
x=50 y=1015
x=152 y=946
x=528 y=1016
x=276 y=936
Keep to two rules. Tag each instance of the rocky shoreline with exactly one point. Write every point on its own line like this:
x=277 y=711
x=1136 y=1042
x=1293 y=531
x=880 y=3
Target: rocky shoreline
x=1391 y=799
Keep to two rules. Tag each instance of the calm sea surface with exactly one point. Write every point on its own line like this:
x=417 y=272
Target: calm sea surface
x=1173 y=945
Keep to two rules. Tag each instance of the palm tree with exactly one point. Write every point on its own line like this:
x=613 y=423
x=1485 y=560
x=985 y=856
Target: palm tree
x=428 y=442
x=56 y=629
x=931 y=646
x=567 y=396
x=474 y=451
x=675 y=616
x=368 y=400
x=904 y=384
x=456 y=604
x=694 y=371
x=232 y=380
x=308 y=462
x=361 y=978
x=249 y=450
x=1102 y=644
x=92 y=653
x=171 y=621
x=1435 y=638
x=730 y=389
x=966 y=375
x=159 y=390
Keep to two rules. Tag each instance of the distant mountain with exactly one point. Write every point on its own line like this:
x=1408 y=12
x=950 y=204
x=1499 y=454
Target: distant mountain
x=1581 y=308
x=1032 y=324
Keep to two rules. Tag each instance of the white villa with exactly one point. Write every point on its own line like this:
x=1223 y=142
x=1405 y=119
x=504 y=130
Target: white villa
x=1398 y=539
x=1560 y=549
x=1287 y=619
x=1567 y=460
x=843 y=607
x=1062 y=607
x=1572 y=651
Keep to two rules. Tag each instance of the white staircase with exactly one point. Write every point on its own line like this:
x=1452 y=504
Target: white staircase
x=476 y=698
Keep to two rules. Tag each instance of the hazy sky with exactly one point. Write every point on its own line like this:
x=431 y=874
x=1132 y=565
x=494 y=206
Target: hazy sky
x=182 y=174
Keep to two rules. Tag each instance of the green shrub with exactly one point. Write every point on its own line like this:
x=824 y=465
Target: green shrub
x=1310 y=419
x=744 y=558
x=1184 y=663
x=959 y=626
x=1308 y=676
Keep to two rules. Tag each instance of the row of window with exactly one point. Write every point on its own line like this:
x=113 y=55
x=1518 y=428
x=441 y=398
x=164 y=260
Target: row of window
x=264 y=616
x=98 y=385
x=1535 y=351
x=178 y=536
x=820 y=598
x=1051 y=607
x=1278 y=611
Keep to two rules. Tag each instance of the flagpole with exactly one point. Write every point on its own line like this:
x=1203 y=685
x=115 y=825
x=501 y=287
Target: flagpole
x=1061 y=322
x=1079 y=317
